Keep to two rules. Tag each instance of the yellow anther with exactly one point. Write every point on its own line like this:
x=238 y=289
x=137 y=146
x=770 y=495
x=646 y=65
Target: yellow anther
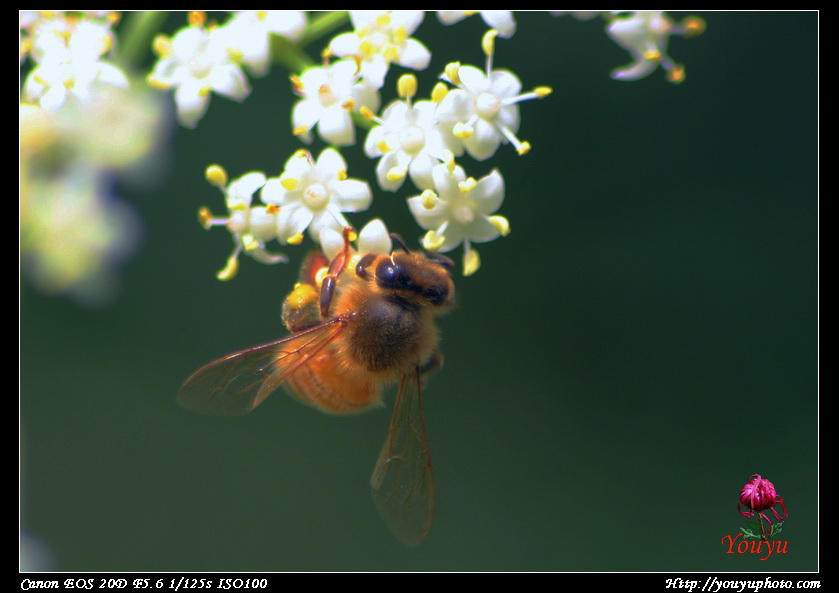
x=462 y=130
x=197 y=18
x=366 y=48
x=229 y=271
x=467 y=185
x=501 y=224
x=162 y=46
x=296 y=83
x=205 y=217
x=216 y=175
x=452 y=72
x=249 y=242
x=390 y=53
x=289 y=183
x=652 y=54
x=523 y=147
x=488 y=41
x=300 y=129
x=471 y=262
x=367 y=112
x=676 y=75
x=272 y=208
x=449 y=161
x=349 y=104
x=400 y=34
x=396 y=173
x=295 y=239
x=204 y=91
x=432 y=241
x=342 y=174
x=157 y=83
x=235 y=55
x=439 y=92
x=543 y=91
x=383 y=20
x=407 y=86
x=429 y=199
x=383 y=146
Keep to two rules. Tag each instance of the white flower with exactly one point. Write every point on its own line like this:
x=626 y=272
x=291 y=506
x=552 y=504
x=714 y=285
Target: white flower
x=408 y=139
x=645 y=34
x=502 y=20
x=250 y=226
x=196 y=62
x=329 y=94
x=380 y=38
x=68 y=55
x=249 y=33
x=461 y=210
x=313 y=194
x=373 y=238
x=484 y=108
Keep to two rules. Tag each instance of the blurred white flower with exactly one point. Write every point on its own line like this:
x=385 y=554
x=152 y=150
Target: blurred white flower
x=329 y=93
x=73 y=234
x=196 y=62
x=248 y=33
x=645 y=34
x=68 y=60
x=381 y=38
x=503 y=20
x=314 y=194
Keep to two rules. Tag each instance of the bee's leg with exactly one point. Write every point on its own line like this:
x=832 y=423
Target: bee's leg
x=336 y=268
x=434 y=363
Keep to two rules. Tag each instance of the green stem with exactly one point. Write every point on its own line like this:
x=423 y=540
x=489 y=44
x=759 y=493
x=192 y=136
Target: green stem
x=322 y=25
x=137 y=34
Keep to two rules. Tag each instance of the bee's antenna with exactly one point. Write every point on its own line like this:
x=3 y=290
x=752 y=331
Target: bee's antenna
x=400 y=243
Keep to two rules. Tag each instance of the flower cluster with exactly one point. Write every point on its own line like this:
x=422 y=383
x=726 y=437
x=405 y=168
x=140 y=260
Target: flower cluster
x=470 y=111
x=81 y=107
x=81 y=119
x=645 y=35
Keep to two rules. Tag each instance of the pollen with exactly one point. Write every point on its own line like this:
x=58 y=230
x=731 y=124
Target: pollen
x=302 y=296
x=407 y=86
x=289 y=183
x=230 y=270
x=216 y=175
x=295 y=239
x=501 y=224
x=439 y=92
x=543 y=91
x=432 y=241
x=197 y=18
x=452 y=72
x=488 y=41
x=471 y=262
x=205 y=217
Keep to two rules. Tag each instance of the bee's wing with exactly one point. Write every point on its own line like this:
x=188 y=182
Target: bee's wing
x=238 y=382
x=402 y=481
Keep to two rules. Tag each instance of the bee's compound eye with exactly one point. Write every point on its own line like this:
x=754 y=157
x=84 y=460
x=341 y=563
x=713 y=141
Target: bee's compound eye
x=390 y=274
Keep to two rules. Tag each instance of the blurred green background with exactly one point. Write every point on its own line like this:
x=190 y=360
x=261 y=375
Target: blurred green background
x=642 y=342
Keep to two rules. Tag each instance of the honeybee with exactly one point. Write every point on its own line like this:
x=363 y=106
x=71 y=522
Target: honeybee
x=353 y=333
